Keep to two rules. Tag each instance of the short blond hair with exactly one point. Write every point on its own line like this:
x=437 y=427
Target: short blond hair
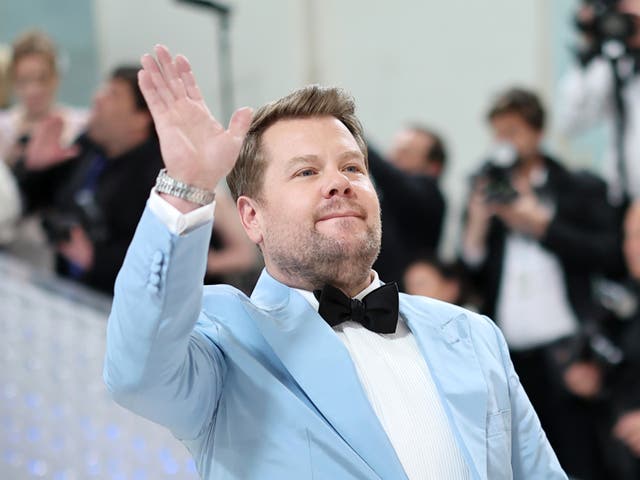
x=247 y=175
x=30 y=43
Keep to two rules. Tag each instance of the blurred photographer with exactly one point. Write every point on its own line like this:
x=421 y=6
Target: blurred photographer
x=534 y=235
x=92 y=202
x=411 y=201
x=614 y=344
x=603 y=86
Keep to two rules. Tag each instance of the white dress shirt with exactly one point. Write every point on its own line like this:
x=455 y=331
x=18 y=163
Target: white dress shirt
x=393 y=373
x=586 y=100
x=533 y=307
x=399 y=387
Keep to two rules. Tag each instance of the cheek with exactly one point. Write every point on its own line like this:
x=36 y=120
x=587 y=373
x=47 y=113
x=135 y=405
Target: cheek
x=631 y=249
x=367 y=192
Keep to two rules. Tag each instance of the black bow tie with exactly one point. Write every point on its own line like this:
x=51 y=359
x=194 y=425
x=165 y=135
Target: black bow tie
x=377 y=311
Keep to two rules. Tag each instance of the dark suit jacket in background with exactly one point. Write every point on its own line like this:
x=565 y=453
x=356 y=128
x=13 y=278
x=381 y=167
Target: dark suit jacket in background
x=412 y=216
x=584 y=235
x=121 y=193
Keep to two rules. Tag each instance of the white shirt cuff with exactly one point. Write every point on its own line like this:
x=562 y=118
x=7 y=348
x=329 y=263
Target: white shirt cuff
x=177 y=222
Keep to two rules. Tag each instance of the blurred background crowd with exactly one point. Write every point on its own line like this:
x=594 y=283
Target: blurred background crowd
x=492 y=195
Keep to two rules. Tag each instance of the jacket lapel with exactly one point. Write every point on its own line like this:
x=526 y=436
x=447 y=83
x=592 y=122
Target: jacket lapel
x=321 y=365
x=445 y=343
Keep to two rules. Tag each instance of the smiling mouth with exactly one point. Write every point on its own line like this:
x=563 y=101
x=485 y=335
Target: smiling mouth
x=340 y=215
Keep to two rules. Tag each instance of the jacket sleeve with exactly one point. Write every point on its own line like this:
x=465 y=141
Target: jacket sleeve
x=589 y=238
x=155 y=364
x=531 y=453
x=586 y=96
x=416 y=200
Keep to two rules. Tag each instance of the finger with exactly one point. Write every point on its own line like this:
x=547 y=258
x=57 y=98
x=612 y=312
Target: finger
x=170 y=72
x=522 y=185
x=628 y=424
x=240 y=122
x=150 y=93
x=51 y=127
x=633 y=437
x=188 y=79
x=54 y=121
x=622 y=428
x=70 y=152
x=151 y=67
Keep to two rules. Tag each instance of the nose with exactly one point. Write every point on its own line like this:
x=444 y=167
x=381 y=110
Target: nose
x=337 y=184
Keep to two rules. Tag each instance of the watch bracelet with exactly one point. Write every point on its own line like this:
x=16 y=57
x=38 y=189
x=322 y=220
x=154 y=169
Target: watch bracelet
x=169 y=185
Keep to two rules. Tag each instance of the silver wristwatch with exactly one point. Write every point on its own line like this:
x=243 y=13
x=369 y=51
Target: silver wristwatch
x=176 y=188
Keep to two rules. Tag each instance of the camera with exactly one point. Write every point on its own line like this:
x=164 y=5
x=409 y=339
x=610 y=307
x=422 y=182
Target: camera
x=607 y=28
x=84 y=211
x=604 y=329
x=495 y=175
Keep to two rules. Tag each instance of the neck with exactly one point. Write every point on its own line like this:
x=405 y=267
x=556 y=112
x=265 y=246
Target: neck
x=350 y=286
x=530 y=164
x=34 y=117
x=354 y=289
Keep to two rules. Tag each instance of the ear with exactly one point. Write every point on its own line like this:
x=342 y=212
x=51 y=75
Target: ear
x=250 y=218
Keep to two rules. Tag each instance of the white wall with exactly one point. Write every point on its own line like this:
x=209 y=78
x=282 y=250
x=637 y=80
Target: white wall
x=438 y=62
x=433 y=61
x=128 y=28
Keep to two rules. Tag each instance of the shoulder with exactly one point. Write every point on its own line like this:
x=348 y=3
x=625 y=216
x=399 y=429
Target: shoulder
x=75 y=120
x=450 y=324
x=577 y=180
x=439 y=314
x=222 y=301
x=73 y=115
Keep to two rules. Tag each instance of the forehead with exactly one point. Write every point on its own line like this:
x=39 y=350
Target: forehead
x=119 y=90
x=119 y=86
x=510 y=120
x=319 y=136
x=423 y=269
x=414 y=138
x=33 y=62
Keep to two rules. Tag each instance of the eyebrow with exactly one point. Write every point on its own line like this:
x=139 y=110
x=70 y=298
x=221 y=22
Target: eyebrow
x=311 y=158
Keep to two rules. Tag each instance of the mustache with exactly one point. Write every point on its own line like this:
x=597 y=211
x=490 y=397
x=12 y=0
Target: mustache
x=334 y=206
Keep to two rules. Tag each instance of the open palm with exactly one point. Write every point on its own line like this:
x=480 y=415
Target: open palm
x=196 y=148
x=45 y=148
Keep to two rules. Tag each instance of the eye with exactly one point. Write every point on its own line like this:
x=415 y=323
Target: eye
x=307 y=172
x=354 y=169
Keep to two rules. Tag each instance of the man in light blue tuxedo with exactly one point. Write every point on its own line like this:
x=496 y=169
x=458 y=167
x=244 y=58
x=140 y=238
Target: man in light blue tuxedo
x=324 y=372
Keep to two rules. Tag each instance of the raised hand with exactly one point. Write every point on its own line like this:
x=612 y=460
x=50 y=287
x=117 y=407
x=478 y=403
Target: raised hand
x=196 y=148
x=44 y=149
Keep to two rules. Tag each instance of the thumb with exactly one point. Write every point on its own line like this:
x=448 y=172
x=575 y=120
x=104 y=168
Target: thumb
x=70 y=152
x=240 y=122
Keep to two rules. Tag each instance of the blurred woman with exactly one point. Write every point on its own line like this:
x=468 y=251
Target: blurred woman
x=34 y=80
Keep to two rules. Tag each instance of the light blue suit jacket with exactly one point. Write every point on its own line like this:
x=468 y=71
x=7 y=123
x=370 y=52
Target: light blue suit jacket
x=262 y=388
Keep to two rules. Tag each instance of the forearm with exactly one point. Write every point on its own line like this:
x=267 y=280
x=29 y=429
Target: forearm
x=584 y=247
x=150 y=348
